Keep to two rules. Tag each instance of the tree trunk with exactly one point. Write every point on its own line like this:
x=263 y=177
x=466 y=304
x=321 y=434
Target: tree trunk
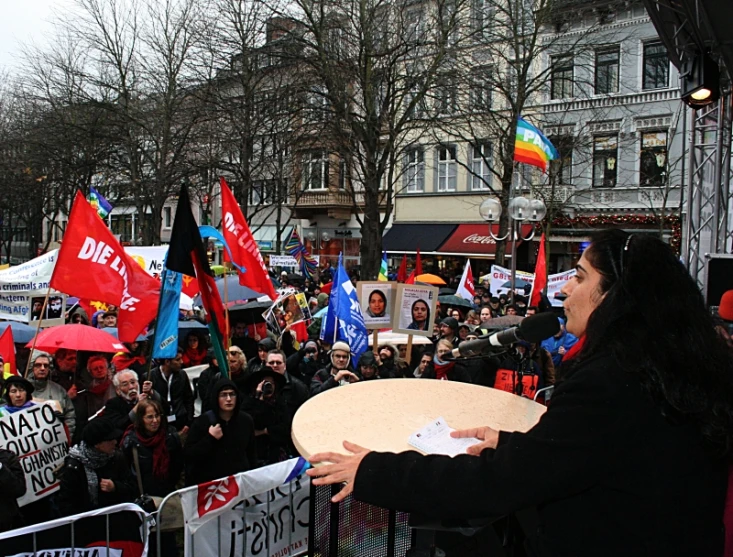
x=371 y=235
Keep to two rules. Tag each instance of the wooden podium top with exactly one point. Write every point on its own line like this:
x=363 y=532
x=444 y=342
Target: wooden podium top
x=381 y=414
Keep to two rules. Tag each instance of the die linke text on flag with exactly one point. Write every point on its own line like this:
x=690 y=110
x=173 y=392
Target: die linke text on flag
x=92 y=264
x=243 y=245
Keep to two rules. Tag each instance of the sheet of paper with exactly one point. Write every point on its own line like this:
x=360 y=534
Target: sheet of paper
x=435 y=438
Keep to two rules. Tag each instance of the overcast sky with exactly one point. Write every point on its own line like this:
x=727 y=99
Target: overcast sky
x=25 y=21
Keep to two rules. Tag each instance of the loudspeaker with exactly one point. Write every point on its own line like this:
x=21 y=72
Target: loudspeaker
x=718 y=277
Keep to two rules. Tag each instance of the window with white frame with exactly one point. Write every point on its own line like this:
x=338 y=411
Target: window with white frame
x=447 y=174
x=261 y=193
x=315 y=170
x=562 y=167
x=656 y=66
x=317 y=104
x=653 y=159
x=479 y=93
x=167 y=217
x=481 y=165
x=482 y=15
x=607 y=70
x=446 y=98
x=561 y=77
x=605 y=161
x=414 y=169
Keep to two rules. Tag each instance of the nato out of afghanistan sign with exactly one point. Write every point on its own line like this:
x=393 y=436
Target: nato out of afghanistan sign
x=40 y=440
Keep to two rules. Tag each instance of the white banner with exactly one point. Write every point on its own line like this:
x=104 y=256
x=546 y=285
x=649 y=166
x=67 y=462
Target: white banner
x=500 y=283
x=23 y=290
x=273 y=524
x=39 y=439
x=150 y=258
x=288 y=260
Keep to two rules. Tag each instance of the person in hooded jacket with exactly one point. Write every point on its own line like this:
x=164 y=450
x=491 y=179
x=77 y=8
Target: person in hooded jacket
x=221 y=442
x=367 y=370
x=305 y=362
x=45 y=389
x=258 y=362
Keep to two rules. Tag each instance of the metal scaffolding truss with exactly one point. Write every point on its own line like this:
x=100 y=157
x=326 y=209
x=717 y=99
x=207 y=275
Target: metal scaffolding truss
x=708 y=226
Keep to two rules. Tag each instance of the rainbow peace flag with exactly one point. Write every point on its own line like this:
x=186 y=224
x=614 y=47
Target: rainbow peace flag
x=532 y=147
x=383 y=268
x=297 y=250
x=99 y=203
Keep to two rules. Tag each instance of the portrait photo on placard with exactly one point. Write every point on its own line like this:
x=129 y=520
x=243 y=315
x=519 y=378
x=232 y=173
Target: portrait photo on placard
x=415 y=309
x=377 y=300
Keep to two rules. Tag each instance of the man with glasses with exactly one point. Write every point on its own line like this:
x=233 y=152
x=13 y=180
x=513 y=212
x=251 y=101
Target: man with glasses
x=337 y=373
x=294 y=392
x=45 y=389
x=222 y=440
x=123 y=408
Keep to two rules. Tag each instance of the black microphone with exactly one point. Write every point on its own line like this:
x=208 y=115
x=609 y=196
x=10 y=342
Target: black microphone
x=535 y=328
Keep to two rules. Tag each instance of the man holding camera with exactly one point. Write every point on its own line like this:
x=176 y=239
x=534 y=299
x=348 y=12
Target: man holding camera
x=270 y=396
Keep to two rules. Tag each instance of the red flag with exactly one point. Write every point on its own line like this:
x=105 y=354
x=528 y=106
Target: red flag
x=93 y=265
x=411 y=278
x=540 y=275
x=243 y=245
x=7 y=351
x=466 y=288
x=402 y=272
x=418 y=263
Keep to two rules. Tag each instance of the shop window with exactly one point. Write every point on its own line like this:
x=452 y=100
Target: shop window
x=605 y=161
x=653 y=159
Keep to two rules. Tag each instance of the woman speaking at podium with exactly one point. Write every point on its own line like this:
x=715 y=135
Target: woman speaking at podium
x=631 y=456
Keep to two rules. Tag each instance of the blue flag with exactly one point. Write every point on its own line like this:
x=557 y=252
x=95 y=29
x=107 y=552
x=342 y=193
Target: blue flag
x=345 y=306
x=165 y=344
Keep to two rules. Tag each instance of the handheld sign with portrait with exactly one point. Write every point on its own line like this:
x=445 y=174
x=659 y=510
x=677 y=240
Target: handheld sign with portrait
x=415 y=309
x=377 y=303
x=40 y=440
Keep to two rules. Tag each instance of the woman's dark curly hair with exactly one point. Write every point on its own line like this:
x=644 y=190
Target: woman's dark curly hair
x=654 y=321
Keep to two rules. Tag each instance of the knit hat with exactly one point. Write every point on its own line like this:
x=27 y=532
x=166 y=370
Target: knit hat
x=452 y=322
x=98 y=430
x=311 y=344
x=341 y=345
x=267 y=343
x=726 y=306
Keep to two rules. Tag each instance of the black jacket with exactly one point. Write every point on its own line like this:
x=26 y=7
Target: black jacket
x=609 y=476
x=120 y=412
x=208 y=458
x=73 y=497
x=151 y=485
x=180 y=401
x=12 y=486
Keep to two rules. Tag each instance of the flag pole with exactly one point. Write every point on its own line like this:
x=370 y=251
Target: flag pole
x=226 y=309
x=38 y=328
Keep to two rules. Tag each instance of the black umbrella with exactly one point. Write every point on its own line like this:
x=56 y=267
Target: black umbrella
x=184 y=327
x=295 y=277
x=251 y=312
x=445 y=291
x=236 y=293
x=455 y=301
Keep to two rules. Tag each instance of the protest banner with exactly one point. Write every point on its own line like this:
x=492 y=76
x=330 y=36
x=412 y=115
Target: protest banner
x=415 y=309
x=40 y=440
x=23 y=289
x=377 y=302
x=152 y=258
x=272 y=524
x=288 y=261
x=500 y=283
x=260 y=513
x=117 y=531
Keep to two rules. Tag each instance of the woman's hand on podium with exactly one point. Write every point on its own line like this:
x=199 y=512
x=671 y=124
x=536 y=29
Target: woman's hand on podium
x=489 y=438
x=342 y=470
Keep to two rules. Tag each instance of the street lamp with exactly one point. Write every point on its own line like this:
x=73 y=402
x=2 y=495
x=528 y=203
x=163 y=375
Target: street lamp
x=521 y=210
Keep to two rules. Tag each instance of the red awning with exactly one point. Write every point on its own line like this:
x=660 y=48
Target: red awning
x=474 y=239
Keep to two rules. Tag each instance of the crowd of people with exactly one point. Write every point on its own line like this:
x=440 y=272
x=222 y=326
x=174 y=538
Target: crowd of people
x=133 y=422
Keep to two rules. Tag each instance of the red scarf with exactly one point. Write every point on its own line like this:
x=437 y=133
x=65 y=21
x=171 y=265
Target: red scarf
x=100 y=388
x=574 y=349
x=161 y=456
x=441 y=370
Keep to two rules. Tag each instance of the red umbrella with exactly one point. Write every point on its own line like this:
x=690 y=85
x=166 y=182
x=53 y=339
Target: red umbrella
x=76 y=337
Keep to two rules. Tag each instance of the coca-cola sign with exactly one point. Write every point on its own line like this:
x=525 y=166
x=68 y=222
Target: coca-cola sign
x=478 y=239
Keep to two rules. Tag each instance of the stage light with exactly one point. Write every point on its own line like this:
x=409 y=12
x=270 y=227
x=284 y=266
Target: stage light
x=700 y=80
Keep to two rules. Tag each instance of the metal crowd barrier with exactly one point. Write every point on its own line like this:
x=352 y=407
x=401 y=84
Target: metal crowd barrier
x=82 y=529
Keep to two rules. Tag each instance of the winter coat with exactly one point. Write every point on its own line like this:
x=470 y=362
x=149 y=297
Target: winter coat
x=48 y=390
x=159 y=487
x=12 y=486
x=208 y=458
x=179 y=401
x=73 y=496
